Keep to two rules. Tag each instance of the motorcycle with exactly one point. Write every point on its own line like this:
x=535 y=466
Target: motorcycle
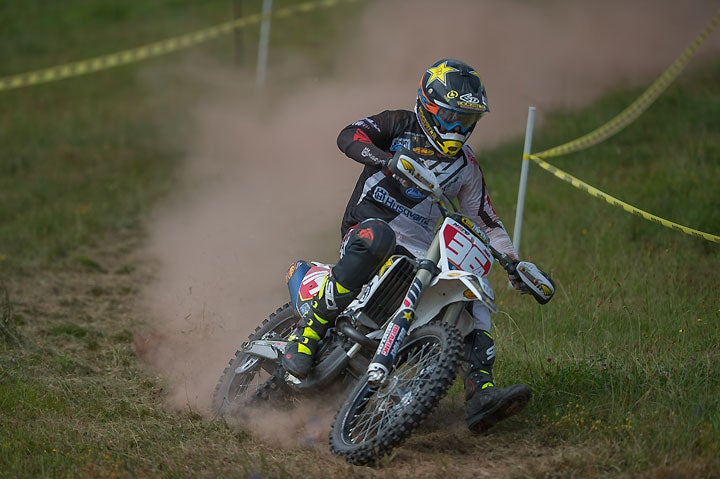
x=399 y=344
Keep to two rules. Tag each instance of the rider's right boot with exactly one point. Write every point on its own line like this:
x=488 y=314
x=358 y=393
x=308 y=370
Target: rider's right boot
x=324 y=309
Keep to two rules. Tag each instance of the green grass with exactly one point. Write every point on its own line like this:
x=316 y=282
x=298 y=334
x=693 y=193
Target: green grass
x=623 y=362
x=628 y=351
x=102 y=132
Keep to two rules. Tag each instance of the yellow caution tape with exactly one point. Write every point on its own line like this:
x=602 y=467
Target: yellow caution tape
x=627 y=116
x=632 y=112
x=616 y=202
x=163 y=47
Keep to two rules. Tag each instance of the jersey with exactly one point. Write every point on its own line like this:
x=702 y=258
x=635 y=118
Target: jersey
x=412 y=216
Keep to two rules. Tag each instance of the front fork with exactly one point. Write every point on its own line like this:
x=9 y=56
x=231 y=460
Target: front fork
x=397 y=329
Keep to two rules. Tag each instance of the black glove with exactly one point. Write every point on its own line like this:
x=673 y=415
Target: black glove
x=403 y=182
x=515 y=280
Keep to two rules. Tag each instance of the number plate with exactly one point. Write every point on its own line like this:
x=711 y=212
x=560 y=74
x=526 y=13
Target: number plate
x=460 y=249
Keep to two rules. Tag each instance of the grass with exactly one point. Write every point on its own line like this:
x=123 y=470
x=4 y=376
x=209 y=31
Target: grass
x=104 y=128
x=623 y=362
x=628 y=351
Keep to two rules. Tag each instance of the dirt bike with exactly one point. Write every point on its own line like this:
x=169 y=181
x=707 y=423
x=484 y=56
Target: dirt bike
x=399 y=343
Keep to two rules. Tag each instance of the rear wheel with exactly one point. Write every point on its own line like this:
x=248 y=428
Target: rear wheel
x=249 y=380
x=376 y=418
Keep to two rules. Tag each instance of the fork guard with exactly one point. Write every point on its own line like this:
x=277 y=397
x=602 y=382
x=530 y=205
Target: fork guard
x=453 y=287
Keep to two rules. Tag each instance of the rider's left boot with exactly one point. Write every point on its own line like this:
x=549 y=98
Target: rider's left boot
x=487 y=404
x=324 y=308
x=490 y=405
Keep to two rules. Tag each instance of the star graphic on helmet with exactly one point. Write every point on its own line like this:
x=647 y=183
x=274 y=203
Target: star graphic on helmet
x=439 y=72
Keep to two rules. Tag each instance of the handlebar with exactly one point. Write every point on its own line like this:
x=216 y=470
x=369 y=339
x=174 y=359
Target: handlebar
x=409 y=167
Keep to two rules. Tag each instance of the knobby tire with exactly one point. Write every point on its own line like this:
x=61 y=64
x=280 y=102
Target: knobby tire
x=374 y=420
x=236 y=391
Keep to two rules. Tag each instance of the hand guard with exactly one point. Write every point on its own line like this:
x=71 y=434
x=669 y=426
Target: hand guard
x=531 y=279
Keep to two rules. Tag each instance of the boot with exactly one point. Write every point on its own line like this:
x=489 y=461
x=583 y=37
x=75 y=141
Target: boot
x=325 y=307
x=486 y=404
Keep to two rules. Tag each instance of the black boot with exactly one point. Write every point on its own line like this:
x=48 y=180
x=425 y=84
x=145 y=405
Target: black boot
x=486 y=404
x=325 y=307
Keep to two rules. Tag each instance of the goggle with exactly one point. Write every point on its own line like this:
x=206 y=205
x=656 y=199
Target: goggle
x=451 y=119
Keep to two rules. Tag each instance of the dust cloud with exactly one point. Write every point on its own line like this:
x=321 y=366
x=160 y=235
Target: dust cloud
x=267 y=184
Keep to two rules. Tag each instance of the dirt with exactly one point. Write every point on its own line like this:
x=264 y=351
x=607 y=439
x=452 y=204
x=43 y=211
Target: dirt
x=265 y=183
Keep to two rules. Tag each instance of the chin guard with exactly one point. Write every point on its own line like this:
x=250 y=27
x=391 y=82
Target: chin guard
x=541 y=285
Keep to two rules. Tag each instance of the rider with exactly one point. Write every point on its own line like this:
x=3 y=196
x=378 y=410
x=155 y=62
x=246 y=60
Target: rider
x=383 y=217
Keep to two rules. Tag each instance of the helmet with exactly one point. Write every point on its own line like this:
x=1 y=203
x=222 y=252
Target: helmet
x=451 y=99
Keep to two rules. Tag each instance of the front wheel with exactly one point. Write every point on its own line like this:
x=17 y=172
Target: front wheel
x=249 y=379
x=376 y=418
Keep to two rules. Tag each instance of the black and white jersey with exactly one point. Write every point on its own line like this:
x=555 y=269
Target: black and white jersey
x=413 y=217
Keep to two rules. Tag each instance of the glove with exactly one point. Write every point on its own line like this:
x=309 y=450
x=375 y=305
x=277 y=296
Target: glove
x=403 y=182
x=516 y=282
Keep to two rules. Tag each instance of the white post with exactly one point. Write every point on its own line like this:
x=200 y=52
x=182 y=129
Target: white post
x=523 y=178
x=263 y=43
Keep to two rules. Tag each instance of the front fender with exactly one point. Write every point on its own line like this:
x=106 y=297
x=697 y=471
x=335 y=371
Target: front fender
x=450 y=287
